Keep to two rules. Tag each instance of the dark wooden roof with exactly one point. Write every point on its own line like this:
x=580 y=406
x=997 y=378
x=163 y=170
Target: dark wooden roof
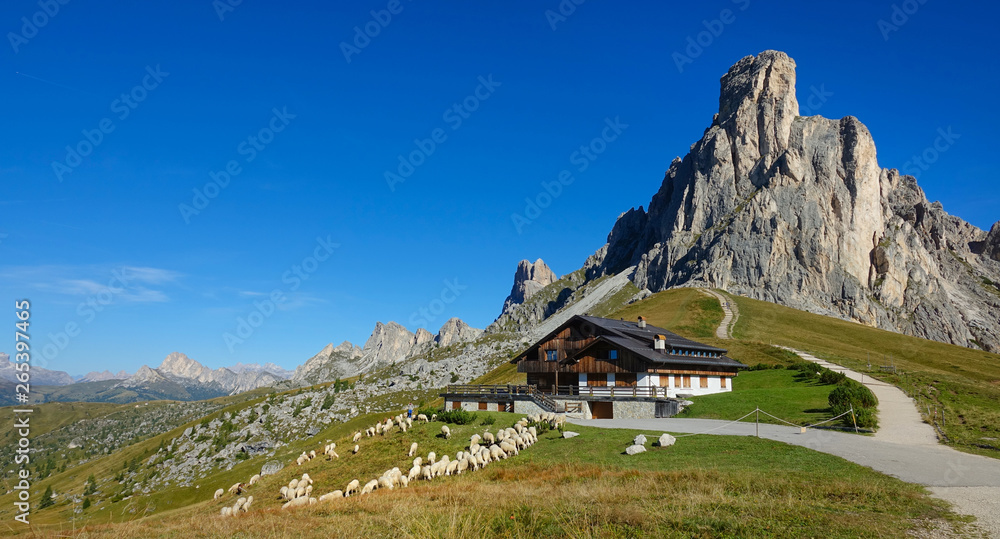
x=628 y=335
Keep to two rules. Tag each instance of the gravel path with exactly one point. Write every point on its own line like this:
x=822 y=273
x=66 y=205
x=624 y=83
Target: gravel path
x=904 y=447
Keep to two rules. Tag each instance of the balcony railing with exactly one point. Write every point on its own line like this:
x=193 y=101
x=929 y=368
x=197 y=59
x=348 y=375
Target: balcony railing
x=535 y=393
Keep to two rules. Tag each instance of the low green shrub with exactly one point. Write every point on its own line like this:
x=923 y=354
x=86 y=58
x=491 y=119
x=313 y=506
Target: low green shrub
x=458 y=417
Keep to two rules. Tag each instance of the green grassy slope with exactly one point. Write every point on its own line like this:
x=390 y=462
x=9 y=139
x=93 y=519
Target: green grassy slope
x=580 y=487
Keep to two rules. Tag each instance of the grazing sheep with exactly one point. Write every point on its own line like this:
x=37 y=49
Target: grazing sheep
x=369 y=487
x=418 y=461
x=246 y=505
x=351 y=488
x=239 y=504
x=413 y=449
x=445 y=431
x=357 y=436
x=430 y=457
x=422 y=417
x=461 y=466
x=297 y=502
x=414 y=472
x=236 y=489
x=331 y=495
x=402 y=427
x=475 y=439
x=404 y=481
x=218 y=494
x=293 y=484
x=356 y=448
x=378 y=428
x=254 y=479
x=434 y=417
x=508 y=448
x=489 y=438
x=227 y=511
x=496 y=453
x=305 y=479
x=426 y=473
x=284 y=492
x=474 y=448
x=452 y=467
x=312 y=454
x=409 y=422
x=300 y=492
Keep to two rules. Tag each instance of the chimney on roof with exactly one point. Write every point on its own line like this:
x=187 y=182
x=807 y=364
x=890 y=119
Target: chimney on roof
x=660 y=343
x=642 y=323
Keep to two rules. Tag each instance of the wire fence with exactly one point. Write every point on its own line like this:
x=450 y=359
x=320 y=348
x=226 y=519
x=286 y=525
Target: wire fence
x=758 y=411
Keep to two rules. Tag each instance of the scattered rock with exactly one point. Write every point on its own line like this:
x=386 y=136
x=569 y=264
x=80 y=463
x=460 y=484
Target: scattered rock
x=667 y=440
x=639 y=440
x=634 y=449
x=570 y=434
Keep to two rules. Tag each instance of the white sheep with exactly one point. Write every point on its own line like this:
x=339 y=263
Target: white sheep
x=357 y=436
x=246 y=505
x=236 y=489
x=402 y=426
x=356 y=449
x=489 y=438
x=409 y=422
x=413 y=449
x=461 y=466
x=296 y=502
x=508 y=448
x=422 y=417
x=404 y=481
x=431 y=457
x=434 y=417
x=226 y=511
x=475 y=439
x=452 y=467
x=254 y=479
x=351 y=488
x=445 y=431
x=426 y=473
x=331 y=495
x=284 y=492
x=218 y=494
x=369 y=487
x=312 y=454
x=414 y=472
x=305 y=479
x=418 y=461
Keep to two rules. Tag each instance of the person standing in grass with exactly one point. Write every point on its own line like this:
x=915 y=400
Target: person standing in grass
x=409 y=410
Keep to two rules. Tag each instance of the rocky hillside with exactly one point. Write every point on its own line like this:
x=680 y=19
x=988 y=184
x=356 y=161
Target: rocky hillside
x=39 y=375
x=388 y=344
x=796 y=210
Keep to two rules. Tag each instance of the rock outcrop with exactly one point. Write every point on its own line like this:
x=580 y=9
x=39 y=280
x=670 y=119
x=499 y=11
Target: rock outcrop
x=183 y=378
x=796 y=210
x=39 y=375
x=528 y=280
x=454 y=331
x=388 y=344
x=992 y=243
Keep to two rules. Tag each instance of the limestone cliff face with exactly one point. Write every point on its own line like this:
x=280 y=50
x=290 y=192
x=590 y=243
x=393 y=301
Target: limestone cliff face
x=796 y=210
x=528 y=280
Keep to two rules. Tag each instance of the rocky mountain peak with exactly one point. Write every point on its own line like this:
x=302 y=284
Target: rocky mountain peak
x=179 y=364
x=529 y=278
x=993 y=242
x=455 y=330
x=796 y=210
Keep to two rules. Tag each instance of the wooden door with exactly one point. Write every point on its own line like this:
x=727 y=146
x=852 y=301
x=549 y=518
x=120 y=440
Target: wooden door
x=602 y=410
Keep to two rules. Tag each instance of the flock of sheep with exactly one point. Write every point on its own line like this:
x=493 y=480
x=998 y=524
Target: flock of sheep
x=482 y=450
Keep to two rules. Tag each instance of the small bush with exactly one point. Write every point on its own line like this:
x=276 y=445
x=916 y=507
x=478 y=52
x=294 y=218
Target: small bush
x=86 y=503
x=488 y=420
x=831 y=378
x=866 y=418
x=427 y=411
x=458 y=417
x=454 y=378
x=541 y=427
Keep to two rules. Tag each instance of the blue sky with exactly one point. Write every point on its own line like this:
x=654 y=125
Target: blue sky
x=120 y=273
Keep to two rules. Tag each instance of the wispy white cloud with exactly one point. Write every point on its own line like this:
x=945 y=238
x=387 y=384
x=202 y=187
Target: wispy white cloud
x=299 y=300
x=129 y=284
